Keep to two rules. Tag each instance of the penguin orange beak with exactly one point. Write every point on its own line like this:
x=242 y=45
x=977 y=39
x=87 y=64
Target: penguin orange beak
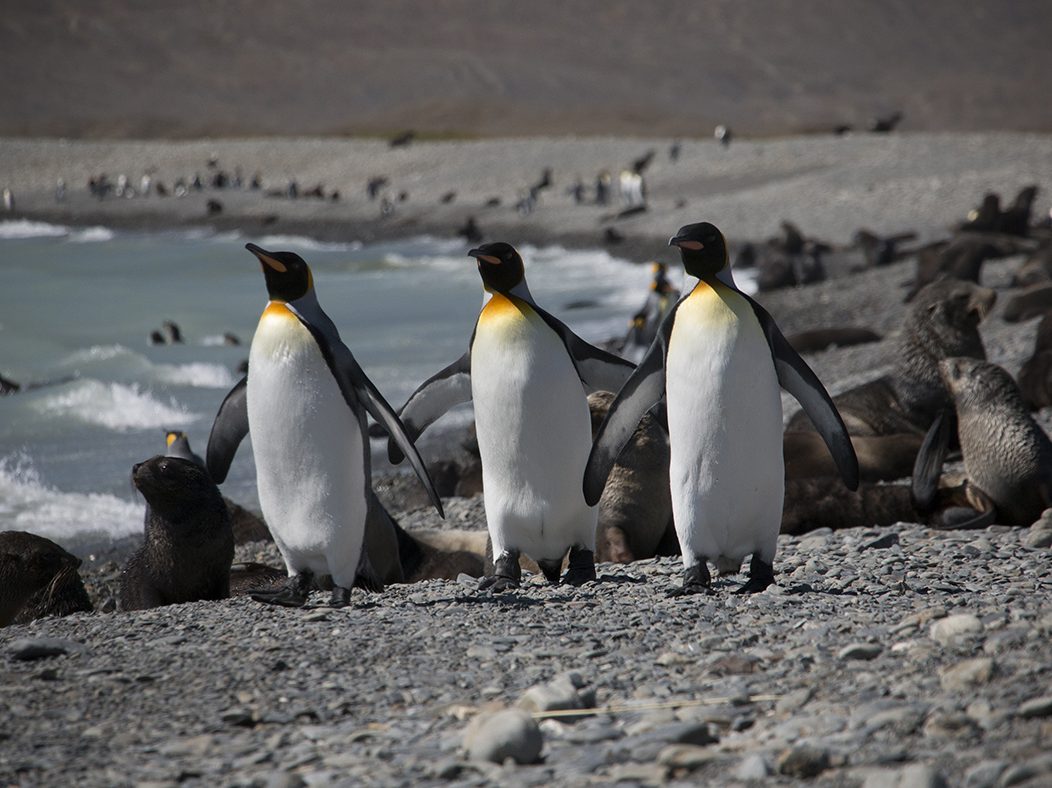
x=683 y=243
x=266 y=258
x=478 y=254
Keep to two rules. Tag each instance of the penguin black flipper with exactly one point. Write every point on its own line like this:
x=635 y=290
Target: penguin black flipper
x=445 y=389
x=357 y=388
x=228 y=430
x=643 y=389
x=927 y=468
x=799 y=380
x=598 y=370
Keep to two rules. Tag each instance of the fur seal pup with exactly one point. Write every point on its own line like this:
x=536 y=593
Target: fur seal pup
x=189 y=545
x=817 y=339
x=1035 y=377
x=635 y=510
x=962 y=258
x=527 y=374
x=1030 y=303
x=826 y=503
x=880 y=457
x=37 y=578
x=941 y=322
x=1006 y=454
x=1037 y=270
x=719 y=361
x=1015 y=219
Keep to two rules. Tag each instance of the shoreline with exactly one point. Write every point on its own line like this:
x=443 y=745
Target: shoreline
x=828 y=186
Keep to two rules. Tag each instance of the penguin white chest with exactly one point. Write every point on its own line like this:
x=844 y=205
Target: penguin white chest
x=725 y=427
x=534 y=433
x=308 y=449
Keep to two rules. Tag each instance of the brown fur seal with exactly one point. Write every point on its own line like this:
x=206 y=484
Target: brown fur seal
x=941 y=322
x=37 y=578
x=962 y=258
x=1035 y=377
x=443 y=554
x=1037 y=269
x=635 y=509
x=1006 y=454
x=826 y=503
x=189 y=545
x=880 y=457
x=836 y=336
x=1030 y=303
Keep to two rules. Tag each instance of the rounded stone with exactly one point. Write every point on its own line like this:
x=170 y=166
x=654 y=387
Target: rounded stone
x=497 y=736
x=946 y=630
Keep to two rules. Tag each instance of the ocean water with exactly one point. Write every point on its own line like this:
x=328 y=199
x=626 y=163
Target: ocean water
x=77 y=307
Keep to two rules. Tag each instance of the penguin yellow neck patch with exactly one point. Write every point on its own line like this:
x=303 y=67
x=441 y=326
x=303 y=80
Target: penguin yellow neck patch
x=502 y=307
x=278 y=309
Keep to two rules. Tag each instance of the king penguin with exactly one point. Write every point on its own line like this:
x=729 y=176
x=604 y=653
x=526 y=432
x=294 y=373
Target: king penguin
x=304 y=402
x=178 y=445
x=528 y=376
x=718 y=359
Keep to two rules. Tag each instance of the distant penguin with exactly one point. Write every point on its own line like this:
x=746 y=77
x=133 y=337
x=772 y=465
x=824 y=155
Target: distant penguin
x=527 y=375
x=723 y=135
x=9 y=200
x=172 y=333
x=304 y=402
x=178 y=445
x=718 y=362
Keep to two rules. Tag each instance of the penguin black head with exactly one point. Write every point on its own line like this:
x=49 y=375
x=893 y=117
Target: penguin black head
x=702 y=249
x=499 y=266
x=288 y=276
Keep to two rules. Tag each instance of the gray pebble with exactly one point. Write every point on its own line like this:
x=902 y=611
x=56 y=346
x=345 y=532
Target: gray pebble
x=509 y=733
x=947 y=630
x=29 y=649
x=863 y=651
x=803 y=761
x=1036 y=707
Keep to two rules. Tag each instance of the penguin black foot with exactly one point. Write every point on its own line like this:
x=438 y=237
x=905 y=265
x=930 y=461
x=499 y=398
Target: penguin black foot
x=551 y=570
x=506 y=573
x=582 y=567
x=696 y=580
x=293 y=594
x=341 y=597
x=761 y=575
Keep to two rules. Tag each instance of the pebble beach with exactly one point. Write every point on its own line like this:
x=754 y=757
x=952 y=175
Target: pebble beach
x=899 y=656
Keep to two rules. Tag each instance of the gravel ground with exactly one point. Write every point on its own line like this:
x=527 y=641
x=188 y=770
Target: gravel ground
x=877 y=655
x=898 y=657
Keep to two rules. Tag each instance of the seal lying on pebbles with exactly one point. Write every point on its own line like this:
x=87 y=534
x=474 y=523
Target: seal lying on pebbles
x=189 y=545
x=37 y=578
x=825 y=503
x=1007 y=455
x=942 y=322
x=1030 y=303
x=1035 y=377
x=835 y=336
x=880 y=457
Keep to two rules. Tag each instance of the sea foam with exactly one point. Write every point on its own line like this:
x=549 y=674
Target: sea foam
x=27 y=504
x=114 y=405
